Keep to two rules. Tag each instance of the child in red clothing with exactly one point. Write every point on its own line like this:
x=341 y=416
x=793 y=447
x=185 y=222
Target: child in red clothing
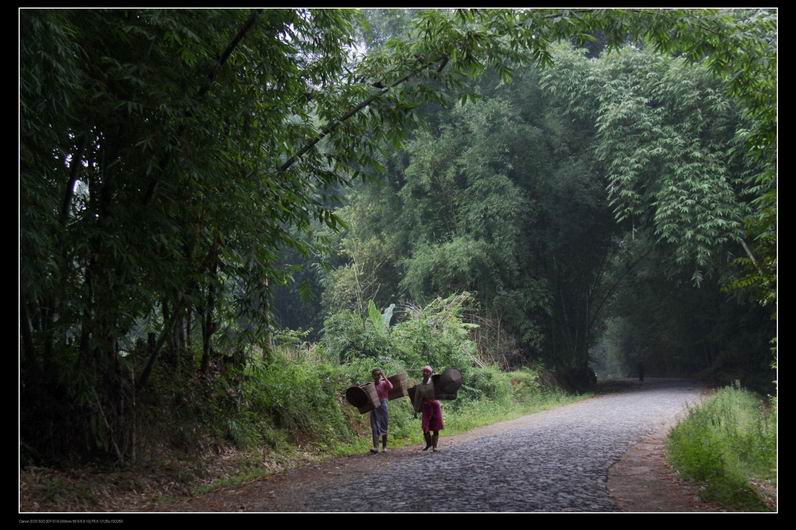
x=432 y=411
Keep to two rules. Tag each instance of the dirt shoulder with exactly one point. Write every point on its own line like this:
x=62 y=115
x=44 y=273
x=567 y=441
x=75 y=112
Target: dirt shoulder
x=643 y=481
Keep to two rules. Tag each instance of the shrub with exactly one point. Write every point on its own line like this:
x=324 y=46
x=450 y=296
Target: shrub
x=487 y=383
x=434 y=334
x=525 y=384
x=348 y=335
x=299 y=397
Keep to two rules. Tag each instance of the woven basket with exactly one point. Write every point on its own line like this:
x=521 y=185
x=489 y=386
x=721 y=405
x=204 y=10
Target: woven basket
x=363 y=397
x=399 y=386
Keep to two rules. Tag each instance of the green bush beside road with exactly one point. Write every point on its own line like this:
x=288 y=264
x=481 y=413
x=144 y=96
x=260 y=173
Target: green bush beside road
x=726 y=442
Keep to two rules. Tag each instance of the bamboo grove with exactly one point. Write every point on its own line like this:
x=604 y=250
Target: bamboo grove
x=168 y=157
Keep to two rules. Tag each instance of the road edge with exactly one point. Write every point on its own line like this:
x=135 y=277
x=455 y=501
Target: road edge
x=643 y=481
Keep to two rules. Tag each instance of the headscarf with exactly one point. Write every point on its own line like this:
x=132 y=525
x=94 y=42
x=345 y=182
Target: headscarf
x=430 y=369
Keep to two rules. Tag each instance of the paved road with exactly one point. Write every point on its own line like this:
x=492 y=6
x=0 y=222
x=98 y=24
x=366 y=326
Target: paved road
x=554 y=461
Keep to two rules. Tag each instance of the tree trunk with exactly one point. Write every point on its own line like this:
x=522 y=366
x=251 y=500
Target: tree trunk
x=164 y=334
x=208 y=326
x=206 y=313
x=171 y=340
x=269 y=339
x=188 y=341
x=28 y=351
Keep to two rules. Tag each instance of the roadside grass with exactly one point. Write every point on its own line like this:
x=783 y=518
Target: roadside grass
x=481 y=413
x=728 y=443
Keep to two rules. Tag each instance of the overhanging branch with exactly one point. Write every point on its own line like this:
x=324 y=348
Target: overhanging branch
x=362 y=105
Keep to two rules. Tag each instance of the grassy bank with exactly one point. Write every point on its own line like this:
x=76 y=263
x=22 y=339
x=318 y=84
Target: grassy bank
x=728 y=443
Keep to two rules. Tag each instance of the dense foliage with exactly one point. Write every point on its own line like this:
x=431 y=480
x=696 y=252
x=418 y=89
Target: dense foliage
x=612 y=187
x=171 y=159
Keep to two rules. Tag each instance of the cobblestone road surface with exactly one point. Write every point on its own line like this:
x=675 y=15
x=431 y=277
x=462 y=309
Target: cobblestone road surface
x=556 y=461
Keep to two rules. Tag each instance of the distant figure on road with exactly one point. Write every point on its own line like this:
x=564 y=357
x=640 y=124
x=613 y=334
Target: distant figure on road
x=431 y=408
x=641 y=371
x=379 y=417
